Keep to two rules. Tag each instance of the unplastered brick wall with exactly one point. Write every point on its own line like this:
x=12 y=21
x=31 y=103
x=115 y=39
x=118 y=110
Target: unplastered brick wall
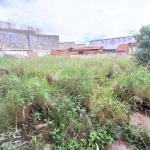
x=11 y=39
x=59 y=52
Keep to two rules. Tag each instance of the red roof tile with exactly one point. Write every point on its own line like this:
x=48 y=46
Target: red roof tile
x=122 y=47
x=86 y=48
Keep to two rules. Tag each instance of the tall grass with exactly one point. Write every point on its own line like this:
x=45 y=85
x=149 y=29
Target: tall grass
x=83 y=102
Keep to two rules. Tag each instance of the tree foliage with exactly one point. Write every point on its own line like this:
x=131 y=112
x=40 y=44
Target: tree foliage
x=142 y=54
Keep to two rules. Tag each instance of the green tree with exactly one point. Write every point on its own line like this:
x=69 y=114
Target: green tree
x=142 y=54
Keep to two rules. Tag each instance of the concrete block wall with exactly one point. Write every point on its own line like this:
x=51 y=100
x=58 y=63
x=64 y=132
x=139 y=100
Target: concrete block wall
x=7 y=25
x=30 y=28
x=80 y=45
x=16 y=39
x=32 y=54
x=66 y=45
x=25 y=53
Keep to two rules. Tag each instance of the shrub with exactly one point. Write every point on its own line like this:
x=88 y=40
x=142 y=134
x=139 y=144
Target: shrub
x=142 y=54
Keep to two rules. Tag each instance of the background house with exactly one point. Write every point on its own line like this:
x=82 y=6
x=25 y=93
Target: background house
x=68 y=45
x=110 y=45
x=86 y=50
x=126 y=48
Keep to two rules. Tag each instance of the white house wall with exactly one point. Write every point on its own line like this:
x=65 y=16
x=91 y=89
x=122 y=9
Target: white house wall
x=7 y=25
x=43 y=53
x=112 y=43
x=16 y=53
x=1 y=53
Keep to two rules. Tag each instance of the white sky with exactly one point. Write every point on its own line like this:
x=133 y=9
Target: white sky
x=79 y=20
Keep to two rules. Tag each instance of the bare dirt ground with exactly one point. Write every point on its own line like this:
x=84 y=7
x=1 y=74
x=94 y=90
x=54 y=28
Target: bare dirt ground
x=140 y=120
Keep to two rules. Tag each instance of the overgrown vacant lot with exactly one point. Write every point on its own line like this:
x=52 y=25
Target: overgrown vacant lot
x=71 y=103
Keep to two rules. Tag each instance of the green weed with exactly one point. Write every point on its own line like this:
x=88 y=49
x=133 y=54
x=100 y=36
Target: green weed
x=81 y=102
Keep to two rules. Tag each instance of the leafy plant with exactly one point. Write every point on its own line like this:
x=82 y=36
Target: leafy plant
x=142 y=54
x=87 y=105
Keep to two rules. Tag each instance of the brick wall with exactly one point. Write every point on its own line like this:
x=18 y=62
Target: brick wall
x=59 y=52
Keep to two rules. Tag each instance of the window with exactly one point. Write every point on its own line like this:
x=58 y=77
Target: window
x=80 y=52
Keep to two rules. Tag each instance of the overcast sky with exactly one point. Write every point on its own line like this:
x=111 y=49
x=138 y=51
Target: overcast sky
x=79 y=20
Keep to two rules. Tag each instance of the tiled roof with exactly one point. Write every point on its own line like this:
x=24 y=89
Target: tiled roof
x=122 y=47
x=98 y=49
x=86 y=48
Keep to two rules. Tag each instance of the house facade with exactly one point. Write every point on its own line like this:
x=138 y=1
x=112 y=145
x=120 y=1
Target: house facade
x=111 y=44
x=126 y=48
